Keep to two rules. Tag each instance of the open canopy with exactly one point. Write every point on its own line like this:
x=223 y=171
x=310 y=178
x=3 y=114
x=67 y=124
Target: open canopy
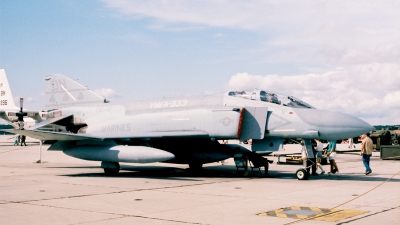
x=269 y=96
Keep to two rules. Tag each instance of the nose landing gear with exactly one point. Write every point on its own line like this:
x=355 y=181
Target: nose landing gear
x=302 y=174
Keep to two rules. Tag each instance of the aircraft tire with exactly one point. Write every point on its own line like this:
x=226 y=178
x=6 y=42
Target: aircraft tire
x=196 y=166
x=110 y=168
x=302 y=174
x=111 y=172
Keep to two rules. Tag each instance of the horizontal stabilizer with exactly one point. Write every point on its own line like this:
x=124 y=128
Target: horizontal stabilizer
x=3 y=115
x=32 y=114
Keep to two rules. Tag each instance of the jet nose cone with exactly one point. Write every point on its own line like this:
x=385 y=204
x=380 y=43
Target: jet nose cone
x=336 y=125
x=353 y=124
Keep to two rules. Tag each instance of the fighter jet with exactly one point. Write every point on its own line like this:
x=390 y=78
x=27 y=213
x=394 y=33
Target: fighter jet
x=184 y=130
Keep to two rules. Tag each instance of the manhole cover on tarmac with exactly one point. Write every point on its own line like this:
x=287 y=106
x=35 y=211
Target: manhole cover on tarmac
x=313 y=213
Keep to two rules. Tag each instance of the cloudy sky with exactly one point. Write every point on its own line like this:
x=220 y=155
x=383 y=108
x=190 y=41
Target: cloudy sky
x=335 y=55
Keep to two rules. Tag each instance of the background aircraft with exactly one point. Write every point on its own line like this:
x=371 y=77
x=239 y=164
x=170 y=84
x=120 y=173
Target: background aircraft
x=9 y=111
x=181 y=130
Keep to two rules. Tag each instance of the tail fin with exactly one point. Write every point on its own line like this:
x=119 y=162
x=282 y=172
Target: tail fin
x=61 y=92
x=6 y=97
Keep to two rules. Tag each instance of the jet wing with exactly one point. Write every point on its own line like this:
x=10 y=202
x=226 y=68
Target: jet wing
x=46 y=135
x=34 y=115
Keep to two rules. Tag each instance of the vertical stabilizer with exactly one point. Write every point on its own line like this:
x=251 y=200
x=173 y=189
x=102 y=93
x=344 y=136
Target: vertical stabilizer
x=6 y=97
x=62 y=91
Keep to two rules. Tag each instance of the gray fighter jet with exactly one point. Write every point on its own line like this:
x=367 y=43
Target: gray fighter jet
x=183 y=130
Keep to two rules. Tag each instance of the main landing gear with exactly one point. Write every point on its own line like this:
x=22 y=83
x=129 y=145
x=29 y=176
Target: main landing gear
x=110 y=168
x=196 y=166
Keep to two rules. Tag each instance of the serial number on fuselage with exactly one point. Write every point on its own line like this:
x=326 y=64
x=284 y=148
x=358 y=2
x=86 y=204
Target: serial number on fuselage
x=170 y=104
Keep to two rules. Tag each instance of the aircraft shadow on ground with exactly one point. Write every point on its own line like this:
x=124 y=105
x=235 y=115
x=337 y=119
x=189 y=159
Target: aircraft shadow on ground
x=355 y=177
x=170 y=173
x=226 y=171
x=73 y=167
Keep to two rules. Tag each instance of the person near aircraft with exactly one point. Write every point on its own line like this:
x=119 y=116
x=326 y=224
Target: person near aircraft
x=331 y=154
x=351 y=143
x=269 y=97
x=23 y=138
x=312 y=165
x=319 y=149
x=259 y=162
x=16 y=140
x=366 y=152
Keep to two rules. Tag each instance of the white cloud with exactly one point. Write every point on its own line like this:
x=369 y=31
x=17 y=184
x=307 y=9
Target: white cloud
x=392 y=99
x=261 y=14
x=106 y=93
x=339 y=33
x=367 y=91
x=359 y=38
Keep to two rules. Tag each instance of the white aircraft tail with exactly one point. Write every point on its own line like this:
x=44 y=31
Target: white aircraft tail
x=62 y=91
x=6 y=97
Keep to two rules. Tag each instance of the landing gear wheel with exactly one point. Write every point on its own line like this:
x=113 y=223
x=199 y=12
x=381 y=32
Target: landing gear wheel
x=302 y=174
x=110 y=168
x=266 y=168
x=196 y=166
x=111 y=172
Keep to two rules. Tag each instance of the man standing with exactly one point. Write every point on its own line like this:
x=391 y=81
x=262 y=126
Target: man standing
x=366 y=152
x=23 y=137
x=351 y=143
x=319 y=148
x=331 y=154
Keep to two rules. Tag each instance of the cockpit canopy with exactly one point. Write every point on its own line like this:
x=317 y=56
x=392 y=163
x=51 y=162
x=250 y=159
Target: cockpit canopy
x=268 y=96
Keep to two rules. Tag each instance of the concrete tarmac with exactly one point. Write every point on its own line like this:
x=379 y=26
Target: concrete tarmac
x=65 y=190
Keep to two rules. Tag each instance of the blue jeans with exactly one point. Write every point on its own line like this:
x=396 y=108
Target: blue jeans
x=366 y=159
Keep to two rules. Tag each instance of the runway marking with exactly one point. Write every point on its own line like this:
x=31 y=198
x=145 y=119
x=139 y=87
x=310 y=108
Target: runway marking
x=14 y=149
x=313 y=213
x=334 y=209
x=115 y=192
